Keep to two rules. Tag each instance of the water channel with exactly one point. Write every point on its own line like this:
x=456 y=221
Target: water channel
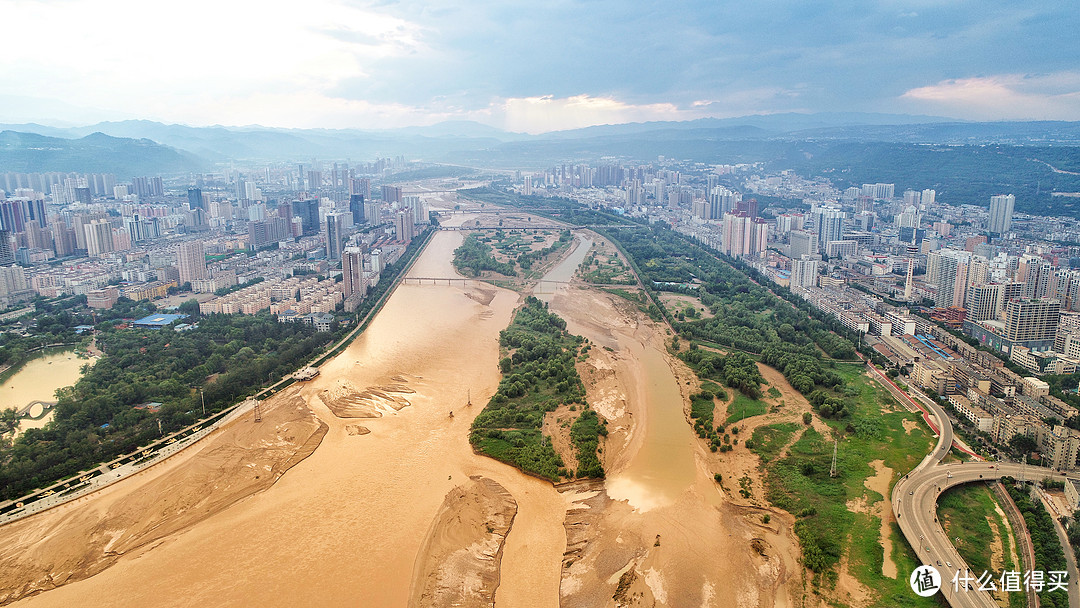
x=663 y=467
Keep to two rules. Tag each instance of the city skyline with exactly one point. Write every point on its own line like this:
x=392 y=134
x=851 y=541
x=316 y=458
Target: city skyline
x=392 y=64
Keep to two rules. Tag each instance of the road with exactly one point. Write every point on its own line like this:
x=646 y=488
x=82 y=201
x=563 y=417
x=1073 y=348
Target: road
x=1063 y=537
x=914 y=502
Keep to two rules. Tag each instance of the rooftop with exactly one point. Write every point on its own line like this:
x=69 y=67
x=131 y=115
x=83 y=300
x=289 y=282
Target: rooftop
x=157 y=320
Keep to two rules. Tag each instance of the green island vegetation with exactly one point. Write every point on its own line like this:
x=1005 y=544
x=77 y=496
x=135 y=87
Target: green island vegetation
x=515 y=246
x=474 y=257
x=539 y=375
x=526 y=258
x=966 y=512
x=744 y=407
x=746 y=316
x=606 y=270
x=229 y=356
x=736 y=370
x=1049 y=555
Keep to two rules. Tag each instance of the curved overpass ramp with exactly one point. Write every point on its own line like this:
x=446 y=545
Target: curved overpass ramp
x=914 y=503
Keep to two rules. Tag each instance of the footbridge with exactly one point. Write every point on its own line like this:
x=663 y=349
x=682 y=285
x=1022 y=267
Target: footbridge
x=46 y=407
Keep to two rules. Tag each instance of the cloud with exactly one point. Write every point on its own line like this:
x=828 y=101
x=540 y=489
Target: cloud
x=1004 y=96
x=574 y=63
x=547 y=113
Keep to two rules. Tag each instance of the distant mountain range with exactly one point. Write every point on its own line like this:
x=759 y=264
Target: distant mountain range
x=965 y=161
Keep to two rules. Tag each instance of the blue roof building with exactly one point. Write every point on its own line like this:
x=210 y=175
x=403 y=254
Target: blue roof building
x=156 y=321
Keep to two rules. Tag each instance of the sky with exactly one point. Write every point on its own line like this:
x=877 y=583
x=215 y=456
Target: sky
x=528 y=66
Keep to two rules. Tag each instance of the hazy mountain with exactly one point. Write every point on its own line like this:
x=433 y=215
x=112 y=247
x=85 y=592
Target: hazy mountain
x=442 y=141
x=762 y=125
x=94 y=153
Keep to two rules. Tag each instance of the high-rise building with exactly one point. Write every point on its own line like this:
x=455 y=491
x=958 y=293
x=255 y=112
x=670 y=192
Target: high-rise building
x=271 y=230
x=335 y=239
x=352 y=270
x=984 y=302
x=417 y=207
x=98 y=237
x=909 y=218
x=373 y=213
x=879 y=191
x=1001 y=213
x=803 y=242
x=1032 y=322
x=786 y=222
x=391 y=194
x=194 y=197
x=951 y=270
x=356 y=207
x=191 y=261
x=256 y=212
x=12 y=218
x=7 y=249
x=830 y=225
x=63 y=239
x=35 y=209
x=308 y=212
x=12 y=282
x=722 y=201
x=361 y=186
x=403 y=226
x=743 y=235
x=804 y=271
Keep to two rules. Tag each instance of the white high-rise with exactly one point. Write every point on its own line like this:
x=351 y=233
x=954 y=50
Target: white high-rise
x=804 y=272
x=1001 y=213
x=191 y=261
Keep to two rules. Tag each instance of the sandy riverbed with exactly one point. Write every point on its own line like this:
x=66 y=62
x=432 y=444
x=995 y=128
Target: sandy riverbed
x=391 y=500
x=660 y=533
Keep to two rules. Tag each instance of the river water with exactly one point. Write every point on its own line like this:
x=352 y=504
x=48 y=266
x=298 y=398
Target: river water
x=344 y=525
x=663 y=467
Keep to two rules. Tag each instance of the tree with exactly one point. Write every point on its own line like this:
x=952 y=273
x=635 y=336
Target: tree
x=190 y=308
x=1023 y=444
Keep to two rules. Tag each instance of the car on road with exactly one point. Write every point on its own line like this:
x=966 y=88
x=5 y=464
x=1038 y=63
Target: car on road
x=948 y=564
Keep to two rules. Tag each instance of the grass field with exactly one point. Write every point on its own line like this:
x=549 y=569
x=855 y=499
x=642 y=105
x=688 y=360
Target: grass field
x=800 y=483
x=769 y=440
x=967 y=512
x=744 y=407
